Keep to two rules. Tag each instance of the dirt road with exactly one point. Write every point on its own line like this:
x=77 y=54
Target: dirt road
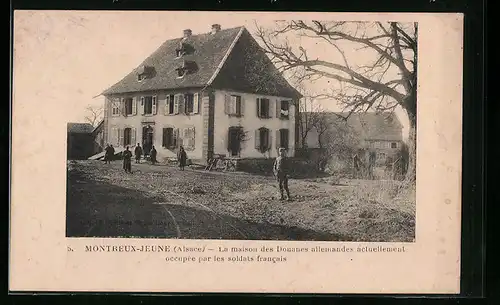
x=161 y=201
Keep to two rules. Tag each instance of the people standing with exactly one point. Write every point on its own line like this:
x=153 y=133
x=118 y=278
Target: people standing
x=281 y=170
x=127 y=160
x=182 y=158
x=138 y=153
x=152 y=155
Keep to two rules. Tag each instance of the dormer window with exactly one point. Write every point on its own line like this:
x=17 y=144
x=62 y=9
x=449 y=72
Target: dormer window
x=144 y=72
x=179 y=53
x=181 y=72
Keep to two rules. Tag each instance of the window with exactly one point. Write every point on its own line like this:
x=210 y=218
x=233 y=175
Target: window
x=179 y=53
x=141 y=77
x=283 y=110
x=127 y=136
x=169 y=104
x=189 y=103
x=262 y=139
x=115 y=108
x=263 y=108
x=188 y=138
x=181 y=72
x=394 y=145
x=283 y=138
x=169 y=139
x=148 y=104
x=128 y=106
x=233 y=105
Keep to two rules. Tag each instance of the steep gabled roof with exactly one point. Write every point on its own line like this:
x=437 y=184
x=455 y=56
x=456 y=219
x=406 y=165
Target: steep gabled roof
x=248 y=69
x=221 y=59
x=80 y=128
x=371 y=125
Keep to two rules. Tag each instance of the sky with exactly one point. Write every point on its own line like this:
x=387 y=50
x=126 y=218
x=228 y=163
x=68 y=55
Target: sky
x=70 y=57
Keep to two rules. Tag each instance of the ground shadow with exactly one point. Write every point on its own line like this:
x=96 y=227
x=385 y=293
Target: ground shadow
x=100 y=209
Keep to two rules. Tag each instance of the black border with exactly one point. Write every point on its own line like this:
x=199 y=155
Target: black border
x=473 y=186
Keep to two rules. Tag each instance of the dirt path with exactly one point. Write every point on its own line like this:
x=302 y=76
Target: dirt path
x=165 y=202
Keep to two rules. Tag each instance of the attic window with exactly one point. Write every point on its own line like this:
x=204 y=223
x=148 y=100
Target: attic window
x=179 y=52
x=181 y=72
x=141 y=77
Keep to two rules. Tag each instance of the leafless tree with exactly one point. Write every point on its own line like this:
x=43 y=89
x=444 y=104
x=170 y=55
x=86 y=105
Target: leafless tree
x=94 y=115
x=309 y=117
x=388 y=82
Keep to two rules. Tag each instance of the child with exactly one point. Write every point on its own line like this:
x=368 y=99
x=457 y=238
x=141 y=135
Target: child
x=280 y=170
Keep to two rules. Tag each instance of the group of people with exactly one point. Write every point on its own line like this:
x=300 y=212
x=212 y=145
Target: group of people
x=109 y=153
x=280 y=166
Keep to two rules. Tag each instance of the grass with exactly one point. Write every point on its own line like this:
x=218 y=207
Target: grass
x=161 y=201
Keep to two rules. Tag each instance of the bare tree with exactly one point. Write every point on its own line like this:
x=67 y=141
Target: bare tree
x=94 y=115
x=309 y=117
x=388 y=82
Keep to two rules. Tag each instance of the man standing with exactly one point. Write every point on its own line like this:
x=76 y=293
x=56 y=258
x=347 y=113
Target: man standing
x=280 y=170
x=138 y=153
x=182 y=158
x=127 y=160
x=152 y=155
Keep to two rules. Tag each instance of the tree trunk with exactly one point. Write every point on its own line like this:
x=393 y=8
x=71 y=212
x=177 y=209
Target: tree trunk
x=411 y=172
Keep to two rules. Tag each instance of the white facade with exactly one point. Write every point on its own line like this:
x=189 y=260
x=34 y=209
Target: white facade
x=127 y=116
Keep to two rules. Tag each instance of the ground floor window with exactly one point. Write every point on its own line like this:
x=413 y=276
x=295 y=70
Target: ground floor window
x=262 y=139
x=127 y=136
x=283 y=138
x=169 y=139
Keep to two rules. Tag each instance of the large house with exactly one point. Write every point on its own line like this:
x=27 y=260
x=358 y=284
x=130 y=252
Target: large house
x=215 y=93
x=377 y=132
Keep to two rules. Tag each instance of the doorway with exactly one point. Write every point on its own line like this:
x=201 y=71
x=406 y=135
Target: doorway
x=234 y=141
x=147 y=139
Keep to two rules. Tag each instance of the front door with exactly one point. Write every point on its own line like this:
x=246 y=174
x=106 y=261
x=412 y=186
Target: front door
x=147 y=139
x=234 y=141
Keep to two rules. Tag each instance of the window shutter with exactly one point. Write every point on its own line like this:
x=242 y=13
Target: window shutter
x=120 y=135
x=278 y=108
x=167 y=104
x=242 y=106
x=133 y=134
x=182 y=104
x=142 y=105
x=269 y=140
x=176 y=103
x=164 y=138
x=176 y=137
x=258 y=107
x=229 y=140
x=278 y=139
x=113 y=139
x=269 y=108
x=257 y=139
x=227 y=103
x=193 y=137
x=134 y=106
x=122 y=108
x=196 y=103
x=153 y=102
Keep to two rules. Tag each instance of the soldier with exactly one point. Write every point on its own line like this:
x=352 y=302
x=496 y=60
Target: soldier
x=280 y=170
x=138 y=153
x=127 y=160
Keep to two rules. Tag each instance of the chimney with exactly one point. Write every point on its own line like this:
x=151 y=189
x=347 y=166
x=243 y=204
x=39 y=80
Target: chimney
x=187 y=33
x=215 y=28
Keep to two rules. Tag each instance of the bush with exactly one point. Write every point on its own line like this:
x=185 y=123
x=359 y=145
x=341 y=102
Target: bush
x=299 y=168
